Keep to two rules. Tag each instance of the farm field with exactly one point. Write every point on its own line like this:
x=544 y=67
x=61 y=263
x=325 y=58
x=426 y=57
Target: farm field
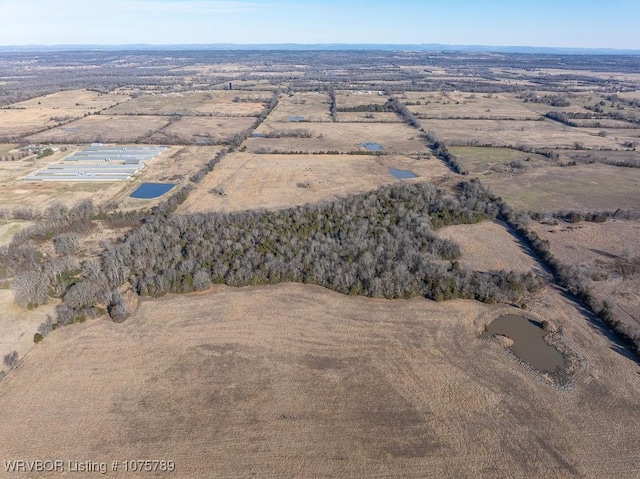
x=488 y=160
x=488 y=246
x=312 y=107
x=247 y=181
x=202 y=129
x=611 y=248
x=43 y=112
x=351 y=98
x=215 y=103
x=368 y=117
x=103 y=128
x=341 y=137
x=467 y=105
x=582 y=187
x=294 y=380
x=544 y=133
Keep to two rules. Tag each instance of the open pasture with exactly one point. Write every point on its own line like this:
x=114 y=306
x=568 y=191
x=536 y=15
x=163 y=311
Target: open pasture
x=610 y=247
x=354 y=98
x=247 y=181
x=467 y=105
x=341 y=137
x=302 y=108
x=488 y=246
x=44 y=112
x=368 y=117
x=18 y=325
x=202 y=129
x=583 y=187
x=535 y=134
x=103 y=128
x=15 y=123
x=296 y=381
x=214 y=103
x=6 y=148
x=621 y=136
x=77 y=100
x=486 y=160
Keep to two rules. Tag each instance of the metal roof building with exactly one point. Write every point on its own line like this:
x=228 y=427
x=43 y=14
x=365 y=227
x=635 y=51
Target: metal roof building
x=99 y=163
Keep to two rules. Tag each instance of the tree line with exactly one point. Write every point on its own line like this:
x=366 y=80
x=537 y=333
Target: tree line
x=378 y=244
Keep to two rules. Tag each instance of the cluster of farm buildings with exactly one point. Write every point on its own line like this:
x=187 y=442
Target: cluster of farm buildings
x=99 y=163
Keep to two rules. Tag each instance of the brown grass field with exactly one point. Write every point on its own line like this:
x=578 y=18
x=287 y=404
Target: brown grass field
x=490 y=161
x=342 y=137
x=83 y=100
x=369 y=117
x=5 y=148
x=312 y=106
x=537 y=134
x=24 y=122
x=42 y=112
x=271 y=181
x=349 y=98
x=604 y=247
x=204 y=128
x=103 y=128
x=296 y=381
x=488 y=246
x=468 y=105
x=216 y=103
x=17 y=327
x=582 y=187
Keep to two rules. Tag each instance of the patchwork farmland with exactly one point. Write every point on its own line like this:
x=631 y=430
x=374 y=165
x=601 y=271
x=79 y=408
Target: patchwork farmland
x=284 y=264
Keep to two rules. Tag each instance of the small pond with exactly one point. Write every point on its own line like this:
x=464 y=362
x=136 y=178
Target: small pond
x=528 y=344
x=296 y=118
x=151 y=190
x=371 y=146
x=402 y=174
x=257 y=135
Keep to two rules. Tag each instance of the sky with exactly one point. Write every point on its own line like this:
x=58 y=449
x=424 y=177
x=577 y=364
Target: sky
x=539 y=23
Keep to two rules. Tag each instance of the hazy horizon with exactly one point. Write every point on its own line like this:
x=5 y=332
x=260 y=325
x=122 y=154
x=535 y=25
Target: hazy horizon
x=541 y=24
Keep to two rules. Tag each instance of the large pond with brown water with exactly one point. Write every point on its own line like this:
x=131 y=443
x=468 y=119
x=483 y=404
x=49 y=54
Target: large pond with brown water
x=528 y=342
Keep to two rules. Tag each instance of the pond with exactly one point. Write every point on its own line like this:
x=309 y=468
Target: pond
x=402 y=174
x=151 y=190
x=296 y=118
x=371 y=146
x=528 y=342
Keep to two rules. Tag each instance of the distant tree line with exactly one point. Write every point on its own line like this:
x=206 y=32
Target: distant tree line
x=551 y=100
x=296 y=133
x=369 y=108
x=439 y=150
x=332 y=103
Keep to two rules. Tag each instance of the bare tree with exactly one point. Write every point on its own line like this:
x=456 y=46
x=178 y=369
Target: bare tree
x=117 y=308
x=201 y=280
x=30 y=288
x=66 y=244
x=81 y=294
